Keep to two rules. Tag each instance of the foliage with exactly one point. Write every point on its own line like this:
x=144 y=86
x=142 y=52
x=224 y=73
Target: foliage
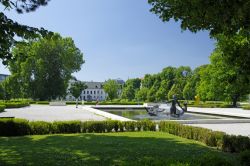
x=77 y=88
x=10 y=104
x=141 y=95
x=10 y=30
x=218 y=17
x=130 y=88
x=246 y=107
x=111 y=87
x=221 y=78
x=42 y=68
x=232 y=143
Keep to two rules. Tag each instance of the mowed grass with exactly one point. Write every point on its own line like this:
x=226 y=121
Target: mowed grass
x=128 y=148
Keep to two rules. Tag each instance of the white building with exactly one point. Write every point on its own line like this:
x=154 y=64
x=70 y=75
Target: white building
x=94 y=91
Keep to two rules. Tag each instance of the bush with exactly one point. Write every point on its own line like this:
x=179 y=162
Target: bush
x=246 y=107
x=14 y=127
x=206 y=136
x=233 y=143
x=2 y=107
x=66 y=127
x=40 y=128
x=245 y=158
x=9 y=104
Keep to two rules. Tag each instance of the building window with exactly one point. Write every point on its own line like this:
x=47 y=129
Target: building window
x=101 y=92
x=94 y=91
x=83 y=92
x=98 y=92
x=90 y=92
x=87 y=92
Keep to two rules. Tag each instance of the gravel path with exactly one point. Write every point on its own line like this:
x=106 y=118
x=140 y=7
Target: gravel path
x=51 y=113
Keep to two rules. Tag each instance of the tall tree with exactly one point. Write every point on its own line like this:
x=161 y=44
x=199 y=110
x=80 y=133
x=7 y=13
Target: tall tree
x=130 y=88
x=10 y=30
x=111 y=87
x=43 y=68
x=141 y=95
x=221 y=80
x=218 y=17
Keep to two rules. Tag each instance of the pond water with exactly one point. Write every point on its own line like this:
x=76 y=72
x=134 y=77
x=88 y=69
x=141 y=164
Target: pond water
x=142 y=114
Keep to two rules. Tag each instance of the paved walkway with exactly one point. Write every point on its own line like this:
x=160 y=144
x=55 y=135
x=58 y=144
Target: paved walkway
x=51 y=113
x=234 y=128
x=236 y=112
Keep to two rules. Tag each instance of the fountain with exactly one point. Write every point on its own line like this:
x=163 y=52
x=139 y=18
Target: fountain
x=171 y=108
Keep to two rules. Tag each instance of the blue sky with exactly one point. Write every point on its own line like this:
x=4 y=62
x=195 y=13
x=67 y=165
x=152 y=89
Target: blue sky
x=119 y=38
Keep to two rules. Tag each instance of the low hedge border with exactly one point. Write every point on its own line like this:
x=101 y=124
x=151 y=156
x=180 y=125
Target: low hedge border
x=211 y=105
x=14 y=104
x=228 y=143
x=246 y=107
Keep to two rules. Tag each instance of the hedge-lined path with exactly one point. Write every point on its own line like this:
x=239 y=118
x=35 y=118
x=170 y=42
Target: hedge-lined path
x=51 y=113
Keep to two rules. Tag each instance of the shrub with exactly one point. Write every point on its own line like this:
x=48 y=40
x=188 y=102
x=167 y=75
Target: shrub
x=40 y=127
x=233 y=143
x=66 y=127
x=246 y=107
x=2 y=107
x=14 y=104
x=206 y=136
x=14 y=127
x=245 y=158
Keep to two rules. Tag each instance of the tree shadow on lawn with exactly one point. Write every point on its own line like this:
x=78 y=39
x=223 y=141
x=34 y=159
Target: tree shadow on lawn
x=135 y=148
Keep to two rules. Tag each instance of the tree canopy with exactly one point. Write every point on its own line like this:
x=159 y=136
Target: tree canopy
x=42 y=68
x=111 y=87
x=10 y=30
x=218 y=17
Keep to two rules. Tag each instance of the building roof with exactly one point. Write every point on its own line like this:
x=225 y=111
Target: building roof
x=94 y=85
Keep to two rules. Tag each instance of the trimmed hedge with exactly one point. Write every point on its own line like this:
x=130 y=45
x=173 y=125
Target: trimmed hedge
x=209 y=137
x=14 y=104
x=245 y=158
x=2 y=107
x=18 y=127
x=228 y=143
x=246 y=107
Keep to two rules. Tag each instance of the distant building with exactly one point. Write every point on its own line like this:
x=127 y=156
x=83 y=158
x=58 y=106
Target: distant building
x=94 y=91
x=3 y=77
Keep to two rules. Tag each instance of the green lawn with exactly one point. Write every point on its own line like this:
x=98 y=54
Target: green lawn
x=128 y=148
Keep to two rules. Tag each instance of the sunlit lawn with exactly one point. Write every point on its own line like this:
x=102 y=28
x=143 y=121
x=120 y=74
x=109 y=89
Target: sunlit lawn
x=128 y=148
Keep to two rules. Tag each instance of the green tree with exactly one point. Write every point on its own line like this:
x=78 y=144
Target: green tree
x=111 y=87
x=189 y=91
x=141 y=95
x=218 y=17
x=128 y=92
x=43 y=68
x=222 y=81
x=130 y=88
x=11 y=31
x=227 y=21
x=162 y=93
x=175 y=90
x=76 y=89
